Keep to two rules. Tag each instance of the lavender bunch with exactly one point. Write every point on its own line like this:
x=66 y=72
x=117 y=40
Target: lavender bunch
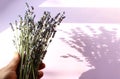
x=32 y=40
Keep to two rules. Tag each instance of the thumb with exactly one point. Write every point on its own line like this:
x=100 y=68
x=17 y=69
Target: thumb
x=14 y=62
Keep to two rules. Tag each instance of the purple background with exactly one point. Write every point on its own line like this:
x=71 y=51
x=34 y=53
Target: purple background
x=86 y=45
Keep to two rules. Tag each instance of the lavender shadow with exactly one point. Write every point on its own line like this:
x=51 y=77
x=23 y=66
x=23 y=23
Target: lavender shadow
x=101 y=50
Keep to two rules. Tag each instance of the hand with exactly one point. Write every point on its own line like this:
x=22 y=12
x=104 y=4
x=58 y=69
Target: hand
x=9 y=72
x=40 y=73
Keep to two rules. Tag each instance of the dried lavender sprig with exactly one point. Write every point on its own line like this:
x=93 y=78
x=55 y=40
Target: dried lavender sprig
x=32 y=40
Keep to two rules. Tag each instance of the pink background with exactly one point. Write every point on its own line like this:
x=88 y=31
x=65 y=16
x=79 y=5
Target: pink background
x=86 y=45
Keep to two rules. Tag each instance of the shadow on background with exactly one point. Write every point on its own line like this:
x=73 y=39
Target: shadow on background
x=101 y=50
